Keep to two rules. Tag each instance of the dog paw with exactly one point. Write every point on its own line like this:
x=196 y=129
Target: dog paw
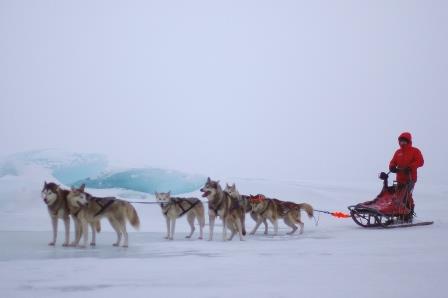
x=65 y=244
x=166 y=237
x=188 y=237
x=125 y=245
x=92 y=244
x=171 y=238
x=51 y=244
x=200 y=238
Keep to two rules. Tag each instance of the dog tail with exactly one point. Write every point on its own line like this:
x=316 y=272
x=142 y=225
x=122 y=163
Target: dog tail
x=308 y=209
x=98 y=226
x=132 y=216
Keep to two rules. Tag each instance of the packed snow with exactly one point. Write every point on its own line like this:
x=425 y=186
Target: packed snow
x=336 y=258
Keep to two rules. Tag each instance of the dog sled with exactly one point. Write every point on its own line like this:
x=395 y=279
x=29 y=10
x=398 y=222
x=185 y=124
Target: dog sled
x=392 y=208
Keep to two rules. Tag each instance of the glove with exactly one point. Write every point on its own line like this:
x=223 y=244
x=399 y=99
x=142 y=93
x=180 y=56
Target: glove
x=393 y=169
x=383 y=176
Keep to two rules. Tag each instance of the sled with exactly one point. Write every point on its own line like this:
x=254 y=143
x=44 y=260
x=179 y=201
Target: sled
x=392 y=208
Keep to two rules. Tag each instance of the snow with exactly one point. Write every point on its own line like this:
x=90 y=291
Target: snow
x=334 y=259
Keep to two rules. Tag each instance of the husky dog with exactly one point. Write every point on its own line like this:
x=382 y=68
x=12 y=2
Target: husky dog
x=274 y=209
x=94 y=208
x=173 y=208
x=226 y=207
x=56 y=200
x=244 y=201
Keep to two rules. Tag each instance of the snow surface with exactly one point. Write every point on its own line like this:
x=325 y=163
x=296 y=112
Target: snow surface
x=334 y=259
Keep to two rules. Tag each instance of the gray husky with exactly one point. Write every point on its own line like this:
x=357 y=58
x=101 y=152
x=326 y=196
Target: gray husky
x=173 y=208
x=244 y=201
x=225 y=206
x=92 y=209
x=56 y=200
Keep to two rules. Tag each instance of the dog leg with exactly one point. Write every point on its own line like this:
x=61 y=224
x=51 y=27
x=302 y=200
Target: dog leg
x=85 y=233
x=211 y=219
x=67 y=231
x=93 y=228
x=301 y=224
x=116 y=227
x=275 y=224
x=224 y=229
x=291 y=224
x=201 y=221
x=239 y=225
x=54 y=224
x=173 y=228
x=125 y=233
x=190 y=218
x=167 y=227
x=231 y=235
x=265 y=222
x=78 y=232
x=259 y=221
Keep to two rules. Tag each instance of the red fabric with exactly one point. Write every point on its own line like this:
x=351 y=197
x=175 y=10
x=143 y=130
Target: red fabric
x=407 y=157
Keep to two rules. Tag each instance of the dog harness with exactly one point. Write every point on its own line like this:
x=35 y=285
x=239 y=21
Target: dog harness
x=216 y=208
x=109 y=201
x=266 y=208
x=178 y=202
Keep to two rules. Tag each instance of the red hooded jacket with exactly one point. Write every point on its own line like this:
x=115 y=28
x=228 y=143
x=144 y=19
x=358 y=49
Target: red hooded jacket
x=407 y=157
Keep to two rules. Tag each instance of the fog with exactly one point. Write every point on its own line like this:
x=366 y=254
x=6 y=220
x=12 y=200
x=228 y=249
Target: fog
x=315 y=90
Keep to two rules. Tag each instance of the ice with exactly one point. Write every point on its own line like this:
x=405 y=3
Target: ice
x=147 y=180
x=94 y=170
x=66 y=167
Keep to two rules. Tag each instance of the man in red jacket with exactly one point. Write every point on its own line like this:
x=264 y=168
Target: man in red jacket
x=405 y=163
x=406 y=160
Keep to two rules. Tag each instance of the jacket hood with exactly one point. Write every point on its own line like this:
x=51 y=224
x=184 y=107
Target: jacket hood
x=407 y=136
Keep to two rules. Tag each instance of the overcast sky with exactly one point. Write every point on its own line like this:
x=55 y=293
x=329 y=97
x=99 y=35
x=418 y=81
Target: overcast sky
x=273 y=89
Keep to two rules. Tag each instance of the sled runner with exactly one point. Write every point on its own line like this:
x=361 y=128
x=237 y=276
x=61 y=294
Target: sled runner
x=392 y=208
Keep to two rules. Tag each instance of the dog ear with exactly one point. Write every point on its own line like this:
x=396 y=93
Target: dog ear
x=233 y=186
x=45 y=183
x=208 y=179
x=169 y=193
x=82 y=187
x=72 y=188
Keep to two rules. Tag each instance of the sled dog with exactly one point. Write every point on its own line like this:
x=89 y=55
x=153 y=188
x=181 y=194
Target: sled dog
x=244 y=201
x=173 y=208
x=56 y=200
x=274 y=209
x=221 y=204
x=92 y=209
